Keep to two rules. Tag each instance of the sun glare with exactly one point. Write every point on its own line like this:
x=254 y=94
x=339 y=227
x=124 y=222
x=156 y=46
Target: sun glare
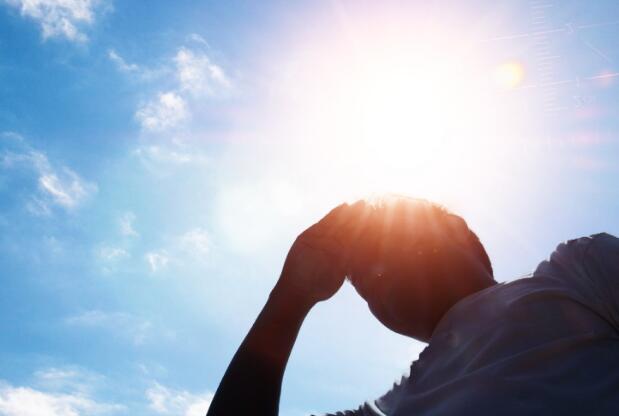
x=399 y=113
x=401 y=106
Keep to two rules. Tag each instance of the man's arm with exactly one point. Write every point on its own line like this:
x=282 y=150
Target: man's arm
x=314 y=270
x=252 y=383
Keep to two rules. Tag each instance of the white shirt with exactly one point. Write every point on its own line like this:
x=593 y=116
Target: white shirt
x=547 y=344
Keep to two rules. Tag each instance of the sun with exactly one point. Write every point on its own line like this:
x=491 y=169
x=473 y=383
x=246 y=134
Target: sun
x=396 y=112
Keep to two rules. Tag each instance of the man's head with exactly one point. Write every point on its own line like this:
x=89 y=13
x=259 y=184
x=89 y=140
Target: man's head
x=411 y=260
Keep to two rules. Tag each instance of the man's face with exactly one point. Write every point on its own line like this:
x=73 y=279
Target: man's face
x=406 y=287
x=391 y=281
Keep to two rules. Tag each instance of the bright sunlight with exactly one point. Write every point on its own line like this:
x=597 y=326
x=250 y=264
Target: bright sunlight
x=404 y=112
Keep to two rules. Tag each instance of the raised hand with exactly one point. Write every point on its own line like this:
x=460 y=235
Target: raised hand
x=315 y=267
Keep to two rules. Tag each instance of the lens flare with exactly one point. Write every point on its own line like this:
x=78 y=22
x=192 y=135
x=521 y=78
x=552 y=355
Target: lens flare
x=509 y=75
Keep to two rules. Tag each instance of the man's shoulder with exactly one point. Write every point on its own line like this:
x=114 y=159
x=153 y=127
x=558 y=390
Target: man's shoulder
x=605 y=241
x=570 y=256
x=562 y=260
x=598 y=239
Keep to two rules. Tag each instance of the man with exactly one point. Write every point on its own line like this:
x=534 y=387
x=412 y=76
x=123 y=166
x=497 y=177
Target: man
x=543 y=345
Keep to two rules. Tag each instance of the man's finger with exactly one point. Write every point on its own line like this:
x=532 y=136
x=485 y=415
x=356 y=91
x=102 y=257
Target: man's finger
x=335 y=216
x=344 y=216
x=342 y=224
x=355 y=221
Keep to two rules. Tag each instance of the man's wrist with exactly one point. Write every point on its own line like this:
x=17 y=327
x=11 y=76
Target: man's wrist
x=288 y=304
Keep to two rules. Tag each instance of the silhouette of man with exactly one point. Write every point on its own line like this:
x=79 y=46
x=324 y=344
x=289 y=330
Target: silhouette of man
x=547 y=344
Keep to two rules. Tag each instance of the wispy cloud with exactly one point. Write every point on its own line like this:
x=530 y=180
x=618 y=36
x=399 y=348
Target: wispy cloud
x=62 y=393
x=167 y=110
x=59 y=18
x=161 y=154
x=194 y=37
x=192 y=247
x=137 y=71
x=56 y=185
x=120 y=62
x=125 y=223
x=164 y=159
x=111 y=254
x=64 y=187
x=111 y=258
x=196 y=242
x=195 y=76
x=68 y=379
x=157 y=260
x=167 y=401
x=123 y=325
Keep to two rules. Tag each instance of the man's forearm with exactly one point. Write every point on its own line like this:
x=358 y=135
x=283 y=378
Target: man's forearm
x=252 y=382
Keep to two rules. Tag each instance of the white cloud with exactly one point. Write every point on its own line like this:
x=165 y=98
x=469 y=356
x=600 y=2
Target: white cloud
x=24 y=401
x=168 y=110
x=56 y=185
x=194 y=37
x=67 y=379
x=169 y=155
x=111 y=254
x=196 y=242
x=140 y=72
x=121 y=64
x=189 y=248
x=65 y=187
x=110 y=258
x=167 y=401
x=124 y=325
x=197 y=74
x=62 y=393
x=157 y=260
x=11 y=135
x=126 y=225
x=23 y=155
x=59 y=18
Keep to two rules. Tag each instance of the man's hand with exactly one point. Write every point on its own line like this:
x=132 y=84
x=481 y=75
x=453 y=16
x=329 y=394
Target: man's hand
x=315 y=267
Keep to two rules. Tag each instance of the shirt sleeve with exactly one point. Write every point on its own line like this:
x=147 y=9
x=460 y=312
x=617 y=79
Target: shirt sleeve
x=589 y=266
x=383 y=406
x=367 y=409
x=602 y=266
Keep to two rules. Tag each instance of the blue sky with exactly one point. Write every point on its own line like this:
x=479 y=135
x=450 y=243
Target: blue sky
x=158 y=158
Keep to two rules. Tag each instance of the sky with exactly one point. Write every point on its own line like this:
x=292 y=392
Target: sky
x=157 y=159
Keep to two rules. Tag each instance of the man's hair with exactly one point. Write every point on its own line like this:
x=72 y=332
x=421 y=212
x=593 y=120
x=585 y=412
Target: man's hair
x=419 y=224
